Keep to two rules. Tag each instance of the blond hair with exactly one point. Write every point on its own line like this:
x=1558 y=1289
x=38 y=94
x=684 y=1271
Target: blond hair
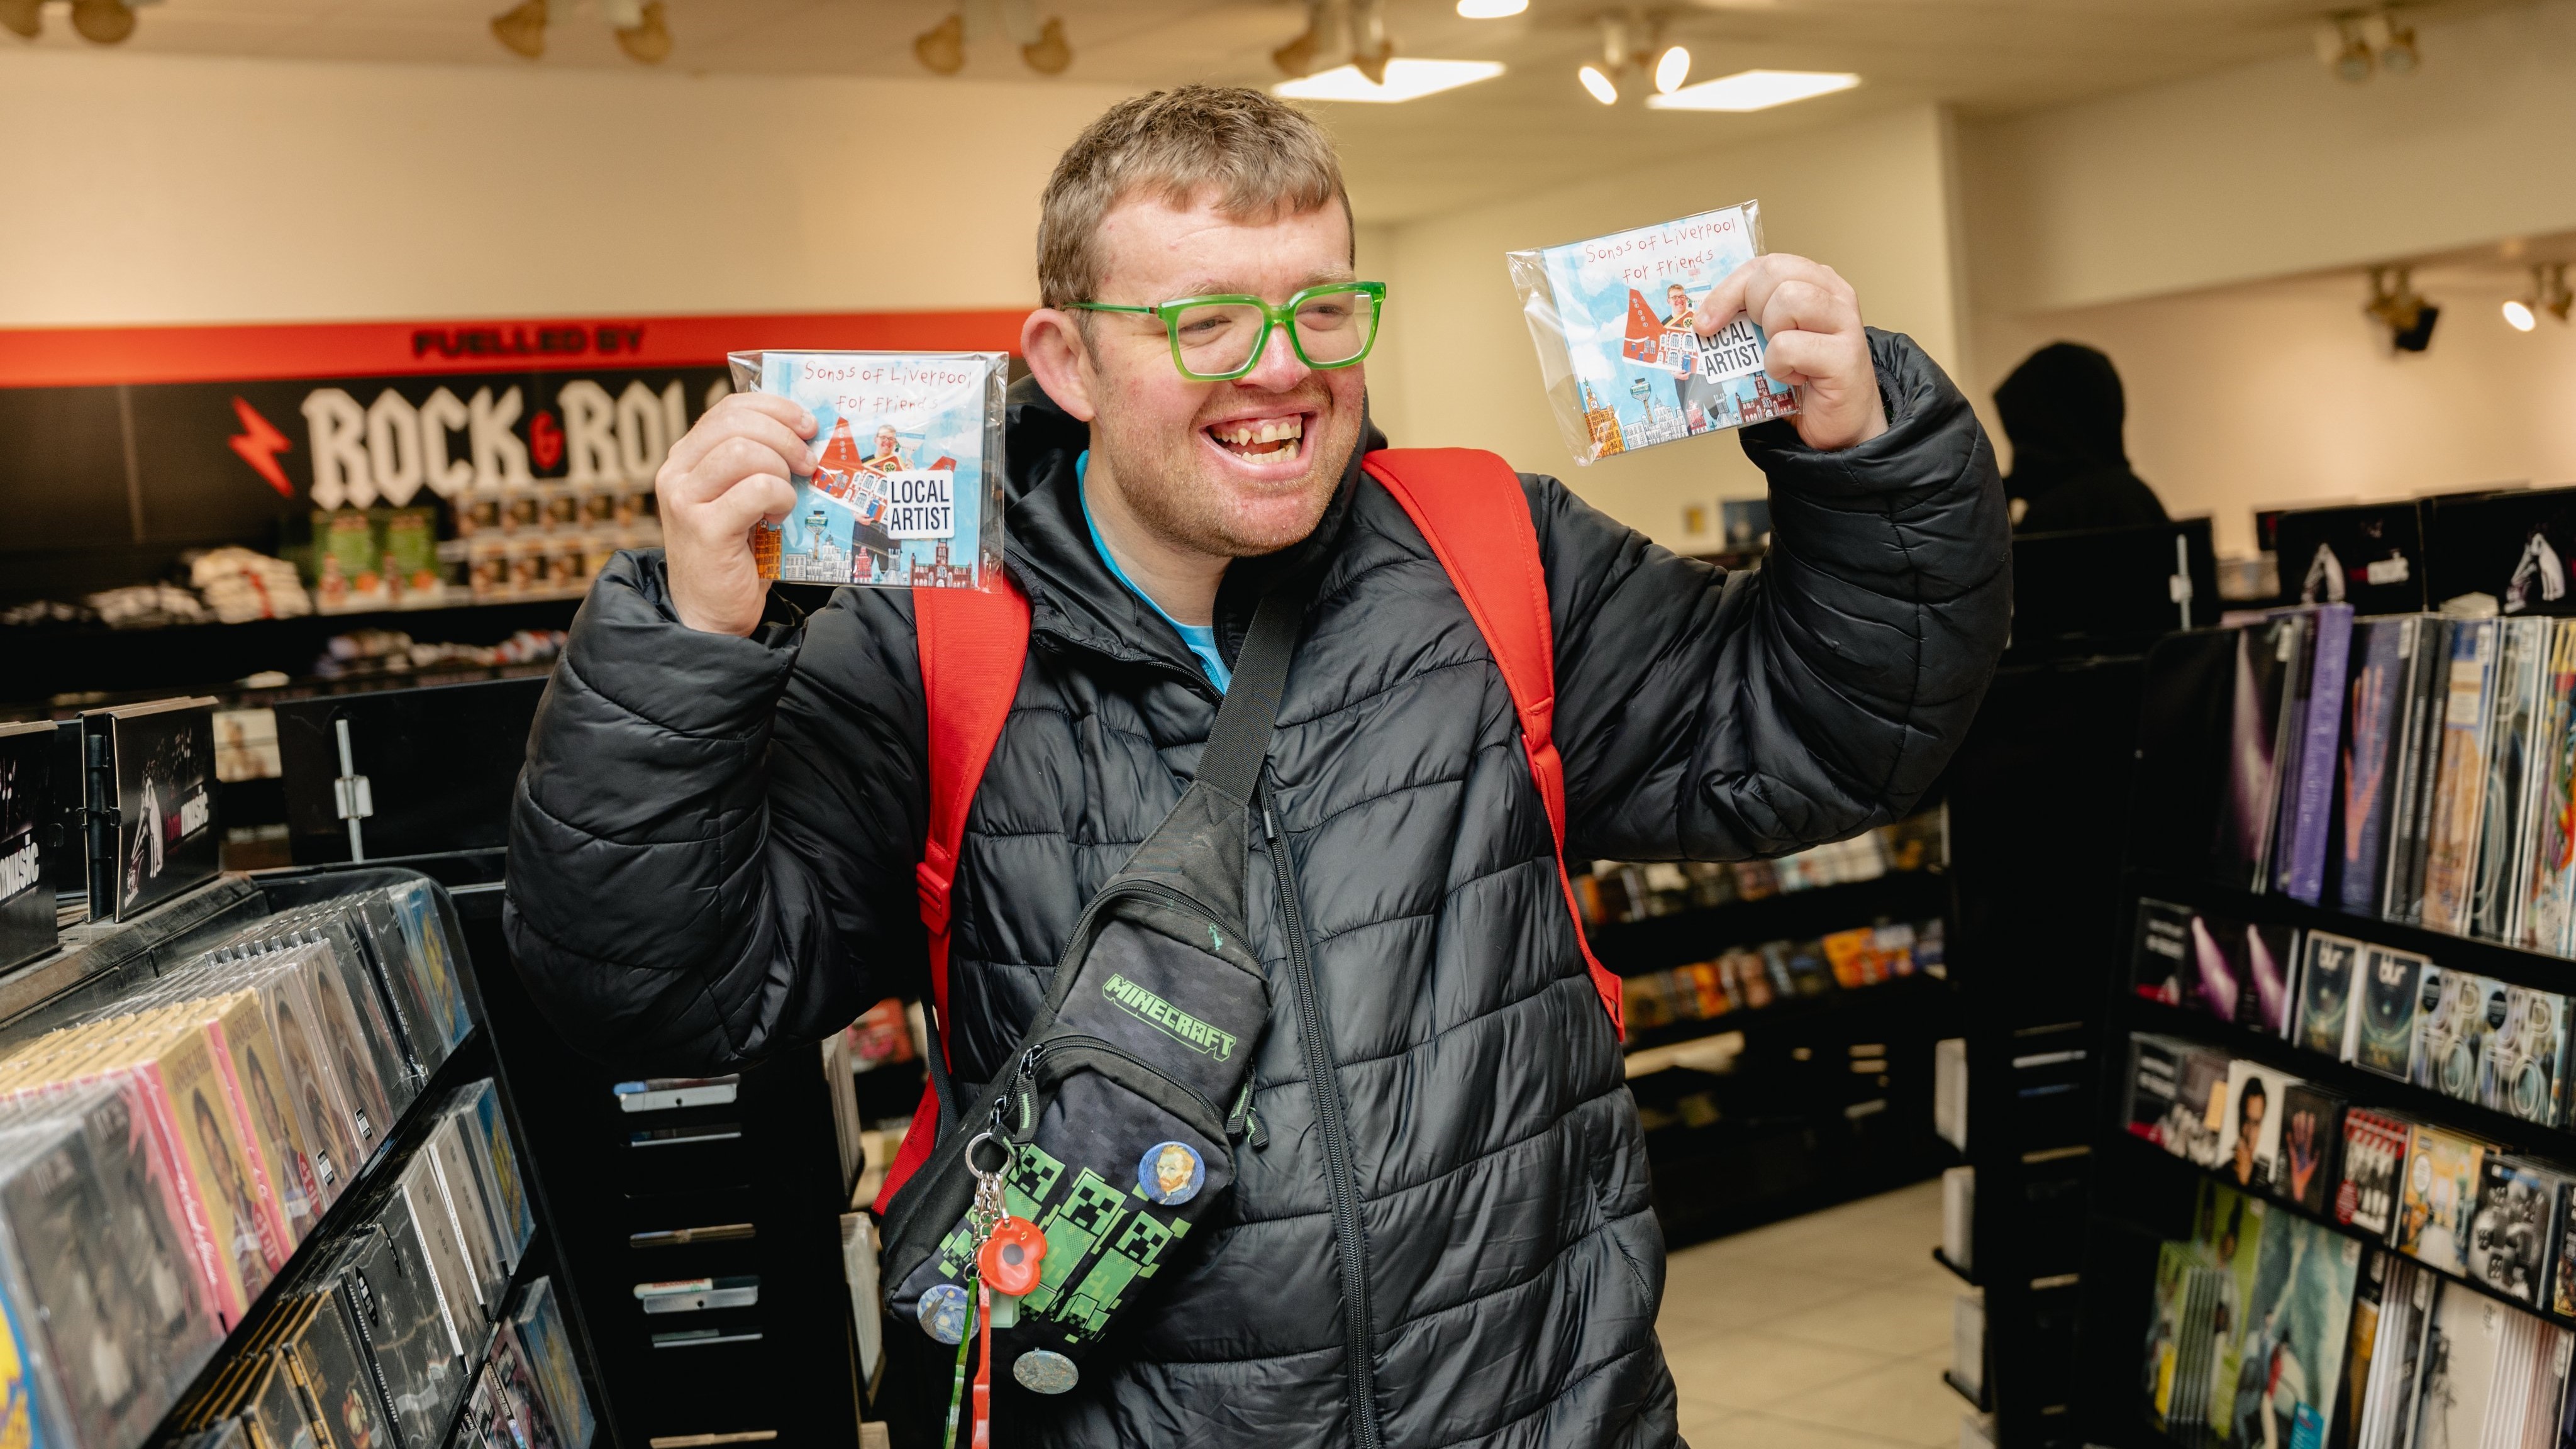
x=1262 y=159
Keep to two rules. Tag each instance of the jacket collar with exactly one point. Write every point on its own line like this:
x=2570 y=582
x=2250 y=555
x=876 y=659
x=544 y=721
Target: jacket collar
x=1073 y=597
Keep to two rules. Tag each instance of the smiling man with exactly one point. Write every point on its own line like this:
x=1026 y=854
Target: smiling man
x=1443 y=1236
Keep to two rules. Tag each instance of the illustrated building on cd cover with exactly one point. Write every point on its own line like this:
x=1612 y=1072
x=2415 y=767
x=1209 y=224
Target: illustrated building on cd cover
x=1603 y=420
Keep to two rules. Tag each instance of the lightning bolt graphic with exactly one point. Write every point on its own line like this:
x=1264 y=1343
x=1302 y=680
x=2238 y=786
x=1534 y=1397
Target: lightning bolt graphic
x=258 y=443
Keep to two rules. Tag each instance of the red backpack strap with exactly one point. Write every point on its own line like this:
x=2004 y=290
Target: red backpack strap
x=1470 y=508
x=973 y=644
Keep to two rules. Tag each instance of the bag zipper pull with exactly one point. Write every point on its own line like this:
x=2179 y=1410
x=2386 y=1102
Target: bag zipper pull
x=1244 y=1122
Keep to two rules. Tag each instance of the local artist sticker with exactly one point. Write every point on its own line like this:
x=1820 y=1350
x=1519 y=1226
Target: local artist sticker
x=1171 y=1173
x=1044 y=1371
x=943 y=1313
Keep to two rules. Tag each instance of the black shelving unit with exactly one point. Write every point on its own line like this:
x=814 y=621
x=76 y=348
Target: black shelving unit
x=2142 y=1195
x=1792 y=1123
x=101 y=962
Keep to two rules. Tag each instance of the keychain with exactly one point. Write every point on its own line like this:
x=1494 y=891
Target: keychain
x=1010 y=1253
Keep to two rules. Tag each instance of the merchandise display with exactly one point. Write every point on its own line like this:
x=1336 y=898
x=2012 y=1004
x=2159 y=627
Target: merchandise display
x=1613 y=318
x=907 y=484
x=1618 y=891
x=29 y=846
x=149 y=770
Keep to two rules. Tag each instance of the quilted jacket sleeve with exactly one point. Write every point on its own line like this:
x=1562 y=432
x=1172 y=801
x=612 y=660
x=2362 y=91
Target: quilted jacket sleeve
x=712 y=842
x=1713 y=718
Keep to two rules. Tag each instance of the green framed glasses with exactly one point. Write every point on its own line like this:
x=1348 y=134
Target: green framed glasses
x=1220 y=338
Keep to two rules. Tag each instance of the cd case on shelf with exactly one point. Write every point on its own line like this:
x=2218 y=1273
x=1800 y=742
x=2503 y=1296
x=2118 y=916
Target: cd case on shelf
x=907 y=484
x=1613 y=319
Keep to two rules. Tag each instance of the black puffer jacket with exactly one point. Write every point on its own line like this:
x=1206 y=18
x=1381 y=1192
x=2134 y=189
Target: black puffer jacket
x=713 y=848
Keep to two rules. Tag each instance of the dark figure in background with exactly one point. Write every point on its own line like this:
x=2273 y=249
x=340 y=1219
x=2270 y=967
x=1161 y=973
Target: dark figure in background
x=2063 y=409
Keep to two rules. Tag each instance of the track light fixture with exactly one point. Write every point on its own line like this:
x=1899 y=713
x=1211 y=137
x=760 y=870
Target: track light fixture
x=2549 y=294
x=26 y=17
x=642 y=31
x=1042 y=44
x=2397 y=307
x=1352 y=31
x=2355 y=44
x=1631 y=41
x=103 y=22
x=522 y=29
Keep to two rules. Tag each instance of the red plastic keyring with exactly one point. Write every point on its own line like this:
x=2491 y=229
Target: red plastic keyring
x=1012 y=1256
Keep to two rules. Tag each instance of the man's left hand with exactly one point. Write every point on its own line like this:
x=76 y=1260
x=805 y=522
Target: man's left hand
x=1812 y=319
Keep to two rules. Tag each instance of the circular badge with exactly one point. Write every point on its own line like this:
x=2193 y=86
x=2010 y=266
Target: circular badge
x=943 y=1312
x=1044 y=1371
x=1171 y=1173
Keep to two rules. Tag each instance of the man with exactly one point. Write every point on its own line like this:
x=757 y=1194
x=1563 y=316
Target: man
x=1703 y=401
x=1446 y=1239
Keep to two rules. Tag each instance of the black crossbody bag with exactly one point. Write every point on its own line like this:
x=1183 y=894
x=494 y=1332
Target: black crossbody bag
x=1114 y=1124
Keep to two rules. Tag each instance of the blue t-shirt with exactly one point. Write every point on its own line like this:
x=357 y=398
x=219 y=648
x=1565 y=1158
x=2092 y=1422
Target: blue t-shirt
x=1200 y=637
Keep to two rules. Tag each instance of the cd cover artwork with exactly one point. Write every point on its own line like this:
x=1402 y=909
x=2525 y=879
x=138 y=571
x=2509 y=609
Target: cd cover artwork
x=2326 y=1017
x=907 y=484
x=2390 y=999
x=1614 y=319
x=152 y=806
x=2440 y=1198
x=2460 y=1010
x=26 y=849
x=2509 y=1237
x=2374 y=1159
x=2526 y=1055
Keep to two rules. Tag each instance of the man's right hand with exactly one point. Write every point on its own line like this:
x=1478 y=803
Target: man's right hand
x=730 y=472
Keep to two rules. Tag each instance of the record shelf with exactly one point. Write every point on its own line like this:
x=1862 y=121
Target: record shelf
x=101 y=962
x=1826 y=1099
x=2144 y=1196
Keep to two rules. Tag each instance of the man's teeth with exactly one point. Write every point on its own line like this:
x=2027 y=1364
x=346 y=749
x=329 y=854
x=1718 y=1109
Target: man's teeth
x=1268 y=430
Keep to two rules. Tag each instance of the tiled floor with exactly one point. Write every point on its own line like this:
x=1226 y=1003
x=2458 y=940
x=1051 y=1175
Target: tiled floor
x=1828 y=1331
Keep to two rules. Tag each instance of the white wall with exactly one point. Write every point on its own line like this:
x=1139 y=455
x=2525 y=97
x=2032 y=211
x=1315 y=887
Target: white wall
x=152 y=189
x=2207 y=234
x=2279 y=168
x=1457 y=365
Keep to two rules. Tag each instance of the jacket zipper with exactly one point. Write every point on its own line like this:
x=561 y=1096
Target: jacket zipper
x=1358 y=1332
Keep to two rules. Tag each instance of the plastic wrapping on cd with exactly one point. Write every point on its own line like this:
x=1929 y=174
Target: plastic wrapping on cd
x=1613 y=319
x=906 y=490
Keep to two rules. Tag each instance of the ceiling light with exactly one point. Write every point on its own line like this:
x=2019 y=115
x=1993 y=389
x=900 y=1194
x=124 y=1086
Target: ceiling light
x=1323 y=36
x=2517 y=315
x=1371 y=47
x=1490 y=9
x=2549 y=293
x=2397 y=306
x=1407 y=79
x=2392 y=41
x=522 y=29
x=1599 y=84
x=26 y=17
x=1671 y=69
x=103 y=22
x=1754 y=90
x=2342 y=50
x=942 y=48
x=648 y=40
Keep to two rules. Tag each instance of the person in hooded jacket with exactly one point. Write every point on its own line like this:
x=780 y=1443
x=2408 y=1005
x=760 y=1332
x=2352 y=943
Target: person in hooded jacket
x=2064 y=410
x=1446 y=1237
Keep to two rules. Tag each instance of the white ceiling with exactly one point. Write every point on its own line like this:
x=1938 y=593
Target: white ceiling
x=1533 y=125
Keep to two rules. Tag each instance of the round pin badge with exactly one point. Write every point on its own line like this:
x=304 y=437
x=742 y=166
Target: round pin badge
x=943 y=1312
x=1044 y=1371
x=1171 y=1173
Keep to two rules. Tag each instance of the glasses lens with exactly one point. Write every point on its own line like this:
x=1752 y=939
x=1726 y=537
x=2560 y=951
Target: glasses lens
x=1217 y=337
x=1336 y=327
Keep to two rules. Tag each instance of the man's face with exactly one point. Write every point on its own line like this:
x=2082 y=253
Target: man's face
x=885 y=441
x=1233 y=469
x=1679 y=299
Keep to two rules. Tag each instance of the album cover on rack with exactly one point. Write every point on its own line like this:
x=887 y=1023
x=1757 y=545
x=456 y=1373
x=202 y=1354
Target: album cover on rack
x=487 y=1133
x=114 y=1340
x=310 y=1095
x=435 y=959
x=332 y=1364
x=2271 y=670
x=27 y=848
x=186 y=1095
x=539 y=1323
x=2367 y=555
x=459 y=1287
x=2294 y=1328
x=152 y=831
x=2460 y=779
x=2305 y=1168
x=2328 y=969
x=2308 y=767
x=2457 y=1009
x=2503 y=861
x=2200 y=1107
x=2262 y=959
x=394 y=1304
x=2525 y=1065
x=2510 y=1238
x=2231 y=1227
x=2551 y=883
x=2391 y=998
x=2249 y=1139
x=247 y=1057
x=2162 y=961
x=334 y=926
x=2370 y=1175
x=356 y=1043
x=2461 y=1356
x=2438 y=1197
x=274 y=1409
x=516 y=1380
x=2155 y=1068
x=2181 y=1295
x=2423 y=694
x=2365 y=782
x=421 y=1022
x=470 y=1215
